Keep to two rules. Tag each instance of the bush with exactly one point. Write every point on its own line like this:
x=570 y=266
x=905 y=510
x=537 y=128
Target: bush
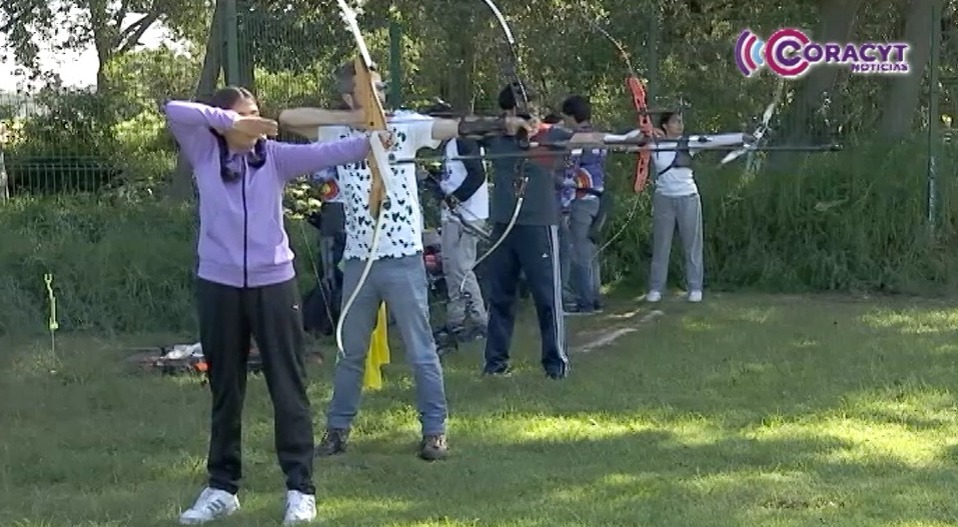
x=854 y=220
x=836 y=222
x=117 y=267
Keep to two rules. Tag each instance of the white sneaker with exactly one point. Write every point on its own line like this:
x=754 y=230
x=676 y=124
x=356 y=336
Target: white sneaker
x=653 y=296
x=300 y=508
x=212 y=504
x=695 y=296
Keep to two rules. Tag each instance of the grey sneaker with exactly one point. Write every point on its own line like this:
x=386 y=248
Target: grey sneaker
x=333 y=442
x=433 y=447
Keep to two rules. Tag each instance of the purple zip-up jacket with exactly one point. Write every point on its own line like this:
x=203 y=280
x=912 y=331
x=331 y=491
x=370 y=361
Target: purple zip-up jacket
x=242 y=240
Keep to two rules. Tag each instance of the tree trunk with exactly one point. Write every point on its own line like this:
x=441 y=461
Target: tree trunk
x=904 y=91
x=461 y=62
x=459 y=81
x=4 y=181
x=102 y=82
x=837 y=25
x=181 y=187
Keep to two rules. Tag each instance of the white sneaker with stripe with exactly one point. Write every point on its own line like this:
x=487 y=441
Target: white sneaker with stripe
x=212 y=504
x=300 y=508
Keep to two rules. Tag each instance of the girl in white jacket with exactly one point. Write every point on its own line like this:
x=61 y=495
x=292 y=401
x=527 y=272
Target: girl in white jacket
x=676 y=202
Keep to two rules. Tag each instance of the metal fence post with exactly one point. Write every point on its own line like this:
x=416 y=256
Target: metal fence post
x=934 y=116
x=652 y=68
x=231 y=41
x=395 y=62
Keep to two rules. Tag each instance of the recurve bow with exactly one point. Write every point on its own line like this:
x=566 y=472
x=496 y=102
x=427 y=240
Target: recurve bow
x=510 y=70
x=374 y=120
x=636 y=89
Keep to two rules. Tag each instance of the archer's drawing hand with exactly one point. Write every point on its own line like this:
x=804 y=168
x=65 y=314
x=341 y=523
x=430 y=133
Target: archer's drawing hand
x=513 y=124
x=256 y=126
x=387 y=138
x=748 y=139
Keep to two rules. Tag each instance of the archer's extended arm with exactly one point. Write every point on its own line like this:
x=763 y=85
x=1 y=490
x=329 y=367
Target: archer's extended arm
x=306 y=121
x=190 y=122
x=294 y=160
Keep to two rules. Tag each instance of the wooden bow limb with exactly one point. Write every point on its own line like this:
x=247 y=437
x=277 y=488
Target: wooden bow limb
x=374 y=120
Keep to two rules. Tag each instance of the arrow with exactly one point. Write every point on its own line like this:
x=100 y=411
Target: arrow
x=622 y=149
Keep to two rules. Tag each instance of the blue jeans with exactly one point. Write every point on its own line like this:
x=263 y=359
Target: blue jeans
x=401 y=283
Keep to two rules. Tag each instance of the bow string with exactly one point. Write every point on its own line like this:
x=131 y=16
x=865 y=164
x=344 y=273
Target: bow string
x=510 y=70
x=638 y=95
x=374 y=120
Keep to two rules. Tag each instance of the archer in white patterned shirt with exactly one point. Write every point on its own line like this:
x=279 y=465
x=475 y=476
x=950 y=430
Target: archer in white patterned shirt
x=397 y=276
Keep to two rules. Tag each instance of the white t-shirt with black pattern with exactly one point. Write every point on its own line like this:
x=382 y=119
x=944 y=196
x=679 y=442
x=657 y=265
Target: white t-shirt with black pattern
x=402 y=226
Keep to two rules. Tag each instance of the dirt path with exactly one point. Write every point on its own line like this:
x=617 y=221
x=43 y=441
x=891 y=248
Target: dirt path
x=612 y=328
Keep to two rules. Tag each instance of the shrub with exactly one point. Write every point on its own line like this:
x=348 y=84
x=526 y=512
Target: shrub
x=117 y=266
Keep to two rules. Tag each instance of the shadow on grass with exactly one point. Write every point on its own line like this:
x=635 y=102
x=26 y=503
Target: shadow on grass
x=743 y=410
x=648 y=478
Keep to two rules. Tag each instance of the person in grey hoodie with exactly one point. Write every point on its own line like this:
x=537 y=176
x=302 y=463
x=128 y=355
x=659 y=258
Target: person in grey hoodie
x=246 y=286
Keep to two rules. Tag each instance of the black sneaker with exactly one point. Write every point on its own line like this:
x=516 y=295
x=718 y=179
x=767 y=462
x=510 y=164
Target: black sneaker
x=333 y=442
x=433 y=447
x=469 y=333
x=504 y=371
x=578 y=310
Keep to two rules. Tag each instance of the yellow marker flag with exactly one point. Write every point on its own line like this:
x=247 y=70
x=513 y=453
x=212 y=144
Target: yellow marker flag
x=378 y=353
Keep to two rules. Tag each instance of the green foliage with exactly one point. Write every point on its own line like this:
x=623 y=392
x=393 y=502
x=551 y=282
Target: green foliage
x=146 y=77
x=828 y=224
x=117 y=266
x=854 y=220
x=65 y=145
x=850 y=221
x=111 y=28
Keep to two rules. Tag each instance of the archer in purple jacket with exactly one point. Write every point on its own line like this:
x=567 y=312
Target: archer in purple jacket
x=246 y=286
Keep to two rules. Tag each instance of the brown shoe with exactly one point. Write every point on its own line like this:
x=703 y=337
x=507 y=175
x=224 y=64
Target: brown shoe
x=333 y=442
x=433 y=447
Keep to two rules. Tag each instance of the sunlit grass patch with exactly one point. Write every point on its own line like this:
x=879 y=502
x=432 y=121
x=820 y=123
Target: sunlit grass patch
x=743 y=410
x=915 y=321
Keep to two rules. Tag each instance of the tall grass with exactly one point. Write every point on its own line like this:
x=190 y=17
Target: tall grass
x=117 y=266
x=855 y=220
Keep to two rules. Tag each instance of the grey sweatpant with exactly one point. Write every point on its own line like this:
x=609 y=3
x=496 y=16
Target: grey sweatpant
x=565 y=258
x=401 y=283
x=584 y=272
x=458 y=258
x=667 y=212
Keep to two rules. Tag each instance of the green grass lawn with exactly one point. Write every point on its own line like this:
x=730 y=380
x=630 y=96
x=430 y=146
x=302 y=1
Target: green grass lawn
x=744 y=410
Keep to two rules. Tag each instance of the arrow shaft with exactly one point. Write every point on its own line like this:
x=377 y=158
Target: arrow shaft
x=618 y=149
